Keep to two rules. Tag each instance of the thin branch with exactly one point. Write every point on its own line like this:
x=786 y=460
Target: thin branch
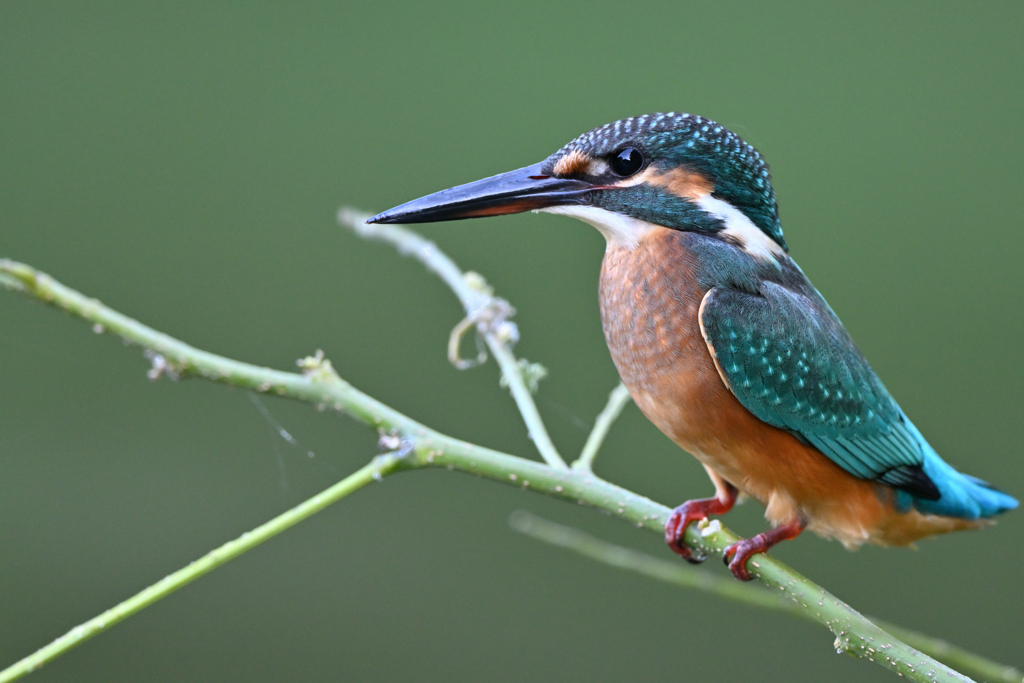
x=489 y=313
x=319 y=384
x=373 y=471
x=753 y=596
x=617 y=400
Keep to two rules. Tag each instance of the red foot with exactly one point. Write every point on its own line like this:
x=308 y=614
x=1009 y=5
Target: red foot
x=693 y=511
x=737 y=554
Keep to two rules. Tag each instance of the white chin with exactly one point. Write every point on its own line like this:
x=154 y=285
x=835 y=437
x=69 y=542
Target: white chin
x=619 y=230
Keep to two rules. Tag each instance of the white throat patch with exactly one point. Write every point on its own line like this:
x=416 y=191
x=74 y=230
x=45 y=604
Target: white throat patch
x=618 y=230
x=740 y=228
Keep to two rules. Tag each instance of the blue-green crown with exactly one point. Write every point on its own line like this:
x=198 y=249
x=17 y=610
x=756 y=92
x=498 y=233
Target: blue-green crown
x=739 y=174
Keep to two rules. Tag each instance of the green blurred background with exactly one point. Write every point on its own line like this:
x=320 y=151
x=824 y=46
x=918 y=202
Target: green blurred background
x=183 y=162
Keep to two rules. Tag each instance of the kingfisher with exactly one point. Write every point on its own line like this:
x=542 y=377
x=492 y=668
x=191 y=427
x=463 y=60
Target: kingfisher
x=724 y=343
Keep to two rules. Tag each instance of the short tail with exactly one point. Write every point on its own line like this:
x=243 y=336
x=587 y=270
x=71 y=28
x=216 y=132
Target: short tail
x=961 y=495
x=966 y=497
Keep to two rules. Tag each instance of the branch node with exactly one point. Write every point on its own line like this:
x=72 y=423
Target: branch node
x=532 y=374
x=393 y=443
x=478 y=283
x=317 y=368
x=160 y=366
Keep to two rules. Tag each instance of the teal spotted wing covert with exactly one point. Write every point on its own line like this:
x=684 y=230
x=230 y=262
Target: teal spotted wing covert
x=790 y=362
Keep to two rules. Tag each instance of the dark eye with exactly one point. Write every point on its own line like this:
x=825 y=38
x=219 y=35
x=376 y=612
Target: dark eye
x=627 y=162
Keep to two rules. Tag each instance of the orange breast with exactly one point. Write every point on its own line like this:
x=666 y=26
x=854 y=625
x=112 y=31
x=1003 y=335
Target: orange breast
x=649 y=298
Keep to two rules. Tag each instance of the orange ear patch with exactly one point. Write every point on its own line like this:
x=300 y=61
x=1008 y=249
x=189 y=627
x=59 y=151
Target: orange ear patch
x=573 y=163
x=683 y=182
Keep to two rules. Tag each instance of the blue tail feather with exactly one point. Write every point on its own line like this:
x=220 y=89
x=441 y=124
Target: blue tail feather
x=961 y=495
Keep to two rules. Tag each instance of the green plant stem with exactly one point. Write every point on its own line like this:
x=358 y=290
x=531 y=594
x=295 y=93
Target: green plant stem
x=474 y=300
x=617 y=400
x=320 y=384
x=754 y=596
x=377 y=468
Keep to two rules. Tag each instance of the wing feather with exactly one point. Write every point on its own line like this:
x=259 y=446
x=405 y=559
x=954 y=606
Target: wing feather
x=790 y=362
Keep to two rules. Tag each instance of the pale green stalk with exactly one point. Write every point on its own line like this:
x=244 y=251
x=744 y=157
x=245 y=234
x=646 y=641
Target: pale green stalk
x=617 y=400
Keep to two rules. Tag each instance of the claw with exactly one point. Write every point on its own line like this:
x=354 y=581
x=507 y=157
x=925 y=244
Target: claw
x=675 y=533
x=689 y=512
x=691 y=555
x=736 y=555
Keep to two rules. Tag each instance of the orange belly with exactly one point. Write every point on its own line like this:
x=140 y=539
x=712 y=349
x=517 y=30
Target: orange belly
x=649 y=299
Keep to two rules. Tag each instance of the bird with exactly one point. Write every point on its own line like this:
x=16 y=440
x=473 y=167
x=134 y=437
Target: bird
x=725 y=345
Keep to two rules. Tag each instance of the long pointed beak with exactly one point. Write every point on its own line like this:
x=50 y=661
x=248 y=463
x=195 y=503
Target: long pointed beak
x=521 y=190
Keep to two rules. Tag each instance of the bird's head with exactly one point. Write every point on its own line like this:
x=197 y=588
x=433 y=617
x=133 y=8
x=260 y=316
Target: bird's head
x=679 y=171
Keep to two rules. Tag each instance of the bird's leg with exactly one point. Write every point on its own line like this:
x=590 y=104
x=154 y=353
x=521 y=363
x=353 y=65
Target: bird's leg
x=693 y=511
x=737 y=554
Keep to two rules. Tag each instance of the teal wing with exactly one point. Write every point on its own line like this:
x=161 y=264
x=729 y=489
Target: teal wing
x=790 y=362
